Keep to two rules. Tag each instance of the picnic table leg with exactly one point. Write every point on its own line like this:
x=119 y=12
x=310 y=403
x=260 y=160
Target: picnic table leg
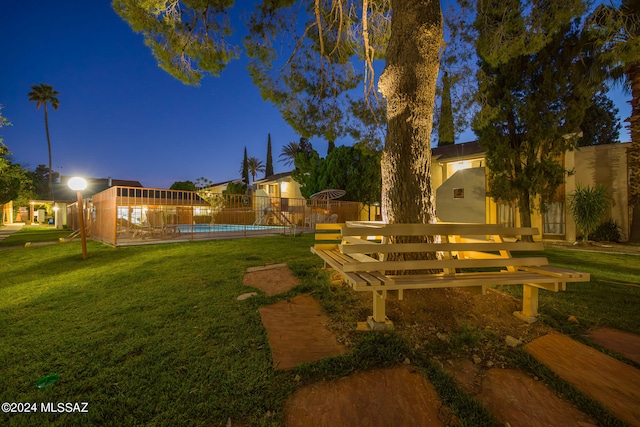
x=379 y=320
x=529 y=311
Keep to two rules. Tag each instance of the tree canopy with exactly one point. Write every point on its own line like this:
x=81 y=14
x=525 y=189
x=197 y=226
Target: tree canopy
x=600 y=124
x=354 y=169
x=187 y=38
x=535 y=83
x=254 y=166
x=319 y=73
x=15 y=181
x=183 y=185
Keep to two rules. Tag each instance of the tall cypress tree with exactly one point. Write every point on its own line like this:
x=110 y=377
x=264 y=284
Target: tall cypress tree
x=445 y=127
x=268 y=169
x=330 y=147
x=245 y=168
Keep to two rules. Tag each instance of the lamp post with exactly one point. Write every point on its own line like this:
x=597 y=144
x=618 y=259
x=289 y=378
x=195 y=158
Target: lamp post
x=78 y=184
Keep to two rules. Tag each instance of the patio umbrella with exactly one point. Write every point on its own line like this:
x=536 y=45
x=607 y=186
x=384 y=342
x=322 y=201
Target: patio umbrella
x=328 y=194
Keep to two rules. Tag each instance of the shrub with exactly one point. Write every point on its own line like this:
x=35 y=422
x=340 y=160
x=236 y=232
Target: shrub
x=588 y=205
x=608 y=231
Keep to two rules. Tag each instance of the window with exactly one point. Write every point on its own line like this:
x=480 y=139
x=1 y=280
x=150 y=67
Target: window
x=553 y=220
x=506 y=214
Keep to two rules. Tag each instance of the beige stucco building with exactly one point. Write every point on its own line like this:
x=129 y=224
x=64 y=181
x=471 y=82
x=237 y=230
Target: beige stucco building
x=459 y=177
x=280 y=185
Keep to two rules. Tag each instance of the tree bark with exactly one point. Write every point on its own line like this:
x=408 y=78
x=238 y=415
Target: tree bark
x=524 y=206
x=409 y=84
x=633 y=152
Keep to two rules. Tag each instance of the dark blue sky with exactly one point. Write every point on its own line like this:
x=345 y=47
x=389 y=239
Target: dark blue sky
x=122 y=116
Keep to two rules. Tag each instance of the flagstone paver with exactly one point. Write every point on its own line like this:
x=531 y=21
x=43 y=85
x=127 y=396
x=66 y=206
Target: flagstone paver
x=396 y=396
x=621 y=342
x=272 y=279
x=516 y=398
x=614 y=384
x=297 y=330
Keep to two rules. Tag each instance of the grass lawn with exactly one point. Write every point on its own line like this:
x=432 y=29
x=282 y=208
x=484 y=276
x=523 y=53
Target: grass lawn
x=611 y=298
x=154 y=335
x=34 y=235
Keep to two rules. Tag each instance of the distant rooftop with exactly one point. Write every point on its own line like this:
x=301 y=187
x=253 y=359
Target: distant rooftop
x=62 y=192
x=273 y=177
x=457 y=151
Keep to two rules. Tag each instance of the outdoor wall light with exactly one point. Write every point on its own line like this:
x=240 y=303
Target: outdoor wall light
x=78 y=184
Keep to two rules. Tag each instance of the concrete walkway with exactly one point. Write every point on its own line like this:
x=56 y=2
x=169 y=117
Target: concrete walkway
x=8 y=229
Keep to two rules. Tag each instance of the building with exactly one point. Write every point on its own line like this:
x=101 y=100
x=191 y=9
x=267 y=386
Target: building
x=280 y=185
x=459 y=176
x=42 y=211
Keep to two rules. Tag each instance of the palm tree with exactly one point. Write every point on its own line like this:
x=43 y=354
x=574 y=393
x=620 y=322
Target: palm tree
x=289 y=153
x=41 y=95
x=255 y=166
x=619 y=36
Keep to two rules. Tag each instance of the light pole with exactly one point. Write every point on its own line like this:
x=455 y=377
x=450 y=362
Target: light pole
x=78 y=184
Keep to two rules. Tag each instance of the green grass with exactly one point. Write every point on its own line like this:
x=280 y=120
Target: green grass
x=154 y=335
x=611 y=298
x=34 y=235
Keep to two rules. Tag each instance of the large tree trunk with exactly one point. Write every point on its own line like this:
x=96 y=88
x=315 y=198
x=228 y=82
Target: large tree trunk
x=409 y=85
x=524 y=208
x=633 y=153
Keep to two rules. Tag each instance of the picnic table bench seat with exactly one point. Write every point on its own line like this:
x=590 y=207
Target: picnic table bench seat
x=473 y=256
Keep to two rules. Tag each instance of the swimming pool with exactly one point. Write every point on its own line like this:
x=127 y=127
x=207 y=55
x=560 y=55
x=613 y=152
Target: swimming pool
x=221 y=228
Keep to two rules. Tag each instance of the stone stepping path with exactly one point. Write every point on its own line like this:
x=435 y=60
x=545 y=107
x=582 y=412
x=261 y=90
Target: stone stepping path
x=621 y=342
x=297 y=330
x=271 y=279
x=515 y=398
x=396 y=396
x=296 y=327
x=614 y=384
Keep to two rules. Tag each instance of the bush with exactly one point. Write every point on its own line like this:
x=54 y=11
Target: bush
x=588 y=205
x=608 y=231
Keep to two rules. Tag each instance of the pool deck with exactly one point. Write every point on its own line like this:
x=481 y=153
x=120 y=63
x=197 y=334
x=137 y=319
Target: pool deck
x=202 y=236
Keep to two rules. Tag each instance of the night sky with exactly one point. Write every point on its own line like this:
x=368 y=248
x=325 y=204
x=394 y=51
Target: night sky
x=120 y=115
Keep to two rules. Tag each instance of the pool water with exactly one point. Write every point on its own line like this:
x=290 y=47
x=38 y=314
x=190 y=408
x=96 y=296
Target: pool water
x=217 y=228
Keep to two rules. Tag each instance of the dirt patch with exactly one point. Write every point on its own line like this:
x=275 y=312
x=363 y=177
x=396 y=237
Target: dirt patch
x=515 y=398
x=272 y=279
x=297 y=332
x=426 y=316
x=384 y=397
x=611 y=382
x=621 y=342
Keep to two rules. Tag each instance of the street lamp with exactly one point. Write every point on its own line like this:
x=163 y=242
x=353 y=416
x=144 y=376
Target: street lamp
x=78 y=184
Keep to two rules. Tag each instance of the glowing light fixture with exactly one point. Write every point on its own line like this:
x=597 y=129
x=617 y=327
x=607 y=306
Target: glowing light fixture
x=78 y=184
